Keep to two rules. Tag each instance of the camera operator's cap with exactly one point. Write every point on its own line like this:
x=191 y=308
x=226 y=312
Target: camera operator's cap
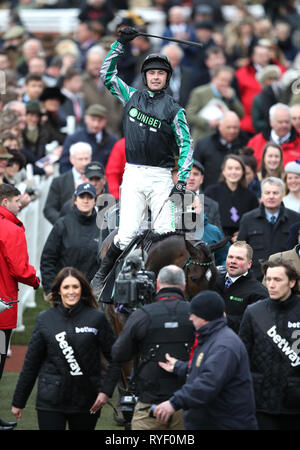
x=208 y=305
x=198 y=166
x=94 y=169
x=85 y=188
x=293 y=167
x=97 y=110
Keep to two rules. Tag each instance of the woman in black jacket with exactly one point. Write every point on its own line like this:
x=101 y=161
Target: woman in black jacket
x=73 y=240
x=64 y=352
x=232 y=194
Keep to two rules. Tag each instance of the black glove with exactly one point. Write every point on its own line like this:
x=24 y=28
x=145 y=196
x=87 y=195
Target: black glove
x=127 y=34
x=179 y=188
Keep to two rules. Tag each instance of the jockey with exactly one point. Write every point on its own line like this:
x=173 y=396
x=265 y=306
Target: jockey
x=155 y=129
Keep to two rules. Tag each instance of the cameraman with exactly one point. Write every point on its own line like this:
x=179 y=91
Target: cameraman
x=150 y=332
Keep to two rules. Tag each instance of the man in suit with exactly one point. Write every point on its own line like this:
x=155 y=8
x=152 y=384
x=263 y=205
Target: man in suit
x=74 y=104
x=194 y=184
x=266 y=228
x=62 y=187
x=237 y=285
x=211 y=150
x=218 y=89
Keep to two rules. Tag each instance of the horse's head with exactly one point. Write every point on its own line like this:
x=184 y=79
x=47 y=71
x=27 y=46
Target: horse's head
x=200 y=268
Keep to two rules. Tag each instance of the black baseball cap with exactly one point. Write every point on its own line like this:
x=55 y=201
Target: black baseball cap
x=94 y=169
x=198 y=166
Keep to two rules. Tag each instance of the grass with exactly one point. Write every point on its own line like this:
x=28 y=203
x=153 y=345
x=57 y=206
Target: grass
x=9 y=380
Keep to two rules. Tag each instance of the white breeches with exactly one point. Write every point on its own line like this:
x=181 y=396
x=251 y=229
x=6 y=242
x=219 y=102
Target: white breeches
x=145 y=187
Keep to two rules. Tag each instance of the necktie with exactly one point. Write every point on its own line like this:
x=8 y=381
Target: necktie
x=196 y=342
x=273 y=220
x=228 y=282
x=77 y=109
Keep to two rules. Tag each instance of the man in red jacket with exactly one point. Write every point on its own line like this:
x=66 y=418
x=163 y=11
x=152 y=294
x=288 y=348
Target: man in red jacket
x=249 y=87
x=14 y=268
x=281 y=132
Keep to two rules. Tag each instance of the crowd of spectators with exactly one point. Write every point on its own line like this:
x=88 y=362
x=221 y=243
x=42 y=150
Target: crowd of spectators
x=240 y=91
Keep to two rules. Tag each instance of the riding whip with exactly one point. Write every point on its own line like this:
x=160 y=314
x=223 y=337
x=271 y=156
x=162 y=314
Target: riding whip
x=179 y=41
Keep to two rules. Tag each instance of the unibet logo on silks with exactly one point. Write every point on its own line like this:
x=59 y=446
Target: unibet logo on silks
x=143 y=118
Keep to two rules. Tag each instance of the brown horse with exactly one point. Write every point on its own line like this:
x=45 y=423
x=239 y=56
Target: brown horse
x=195 y=258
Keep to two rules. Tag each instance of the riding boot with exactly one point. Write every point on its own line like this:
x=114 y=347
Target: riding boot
x=106 y=265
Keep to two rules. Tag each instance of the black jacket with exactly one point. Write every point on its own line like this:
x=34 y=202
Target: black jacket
x=232 y=204
x=262 y=237
x=273 y=372
x=61 y=189
x=210 y=152
x=155 y=385
x=64 y=352
x=218 y=392
x=73 y=241
x=244 y=291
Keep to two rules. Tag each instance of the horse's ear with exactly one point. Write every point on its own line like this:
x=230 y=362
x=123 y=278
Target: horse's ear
x=220 y=244
x=190 y=248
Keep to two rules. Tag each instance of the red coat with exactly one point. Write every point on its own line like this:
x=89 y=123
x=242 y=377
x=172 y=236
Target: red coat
x=14 y=264
x=291 y=149
x=115 y=168
x=249 y=88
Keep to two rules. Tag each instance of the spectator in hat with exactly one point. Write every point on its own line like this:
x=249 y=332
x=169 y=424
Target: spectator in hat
x=93 y=132
x=51 y=100
x=62 y=187
x=292 y=181
x=204 y=35
x=35 y=139
x=73 y=239
x=218 y=392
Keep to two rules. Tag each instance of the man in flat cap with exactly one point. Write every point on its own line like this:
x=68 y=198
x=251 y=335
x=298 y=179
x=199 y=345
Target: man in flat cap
x=218 y=393
x=93 y=132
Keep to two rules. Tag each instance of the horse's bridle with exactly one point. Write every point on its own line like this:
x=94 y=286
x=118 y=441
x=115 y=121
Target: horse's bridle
x=190 y=262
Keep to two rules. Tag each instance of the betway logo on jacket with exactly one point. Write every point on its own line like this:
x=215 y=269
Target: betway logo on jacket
x=284 y=346
x=68 y=353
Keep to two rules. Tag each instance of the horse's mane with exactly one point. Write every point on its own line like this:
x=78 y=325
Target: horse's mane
x=157 y=237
